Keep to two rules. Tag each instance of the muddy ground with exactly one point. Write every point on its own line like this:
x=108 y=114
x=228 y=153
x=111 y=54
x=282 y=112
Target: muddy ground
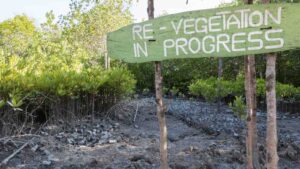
x=128 y=138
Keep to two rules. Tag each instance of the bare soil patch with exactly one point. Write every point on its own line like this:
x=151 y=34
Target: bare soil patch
x=128 y=137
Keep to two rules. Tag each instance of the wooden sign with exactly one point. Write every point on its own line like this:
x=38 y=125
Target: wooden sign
x=222 y=32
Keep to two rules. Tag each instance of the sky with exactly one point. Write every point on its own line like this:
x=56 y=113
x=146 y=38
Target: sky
x=36 y=9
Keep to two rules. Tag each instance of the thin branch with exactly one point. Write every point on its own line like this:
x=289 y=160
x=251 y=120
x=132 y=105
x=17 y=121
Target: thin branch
x=6 y=160
x=137 y=109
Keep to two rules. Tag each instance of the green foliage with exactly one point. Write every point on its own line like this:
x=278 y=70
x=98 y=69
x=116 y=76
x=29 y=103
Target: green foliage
x=88 y=22
x=16 y=35
x=63 y=59
x=206 y=88
x=63 y=80
x=283 y=91
x=174 y=91
x=239 y=108
x=120 y=81
x=145 y=91
x=144 y=72
x=213 y=88
x=2 y=103
x=260 y=88
x=16 y=100
x=179 y=72
x=286 y=91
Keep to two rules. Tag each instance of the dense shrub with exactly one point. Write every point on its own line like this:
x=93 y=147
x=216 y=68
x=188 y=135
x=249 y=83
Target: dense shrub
x=62 y=59
x=17 y=81
x=212 y=88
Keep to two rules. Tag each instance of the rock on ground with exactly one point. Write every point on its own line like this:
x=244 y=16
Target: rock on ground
x=128 y=137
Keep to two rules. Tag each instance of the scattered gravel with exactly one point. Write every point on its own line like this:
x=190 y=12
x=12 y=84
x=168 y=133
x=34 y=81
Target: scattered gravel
x=128 y=137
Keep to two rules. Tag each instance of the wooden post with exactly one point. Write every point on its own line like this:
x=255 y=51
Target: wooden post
x=250 y=89
x=107 y=61
x=160 y=105
x=220 y=73
x=271 y=139
x=161 y=117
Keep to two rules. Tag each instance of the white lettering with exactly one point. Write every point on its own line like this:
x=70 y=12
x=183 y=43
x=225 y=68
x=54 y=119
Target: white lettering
x=243 y=13
x=268 y=15
x=136 y=30
x=147 y=28
x=177 y=28
x=198 y=45
x=252 y=40
x=223 y=14
x=204 y=44
x=181 y=43
x=233 y=20
x=169 y=43
x=203 y=27
x=212 y=24
x=139 y=48
x=187 y=24
x=258 y=22
x=235 y=41
x=279 y=40
x=224 y=42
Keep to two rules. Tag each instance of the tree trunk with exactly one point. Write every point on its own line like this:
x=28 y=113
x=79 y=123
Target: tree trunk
x=220 y=73
x=250 y=89
x=107 y=61
x=271 y=139
x=161 y=117
x=160 y=106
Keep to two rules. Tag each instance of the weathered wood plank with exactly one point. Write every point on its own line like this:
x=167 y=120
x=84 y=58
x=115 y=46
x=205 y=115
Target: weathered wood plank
x=222 y=32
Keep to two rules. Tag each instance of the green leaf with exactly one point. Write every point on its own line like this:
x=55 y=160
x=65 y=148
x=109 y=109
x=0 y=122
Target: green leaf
x=2 y=103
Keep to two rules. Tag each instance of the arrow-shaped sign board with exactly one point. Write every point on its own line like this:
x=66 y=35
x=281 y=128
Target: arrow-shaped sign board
x=222 y=32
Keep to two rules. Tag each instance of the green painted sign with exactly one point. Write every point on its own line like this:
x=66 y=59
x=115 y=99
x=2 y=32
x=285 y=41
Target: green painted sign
x=222 y=32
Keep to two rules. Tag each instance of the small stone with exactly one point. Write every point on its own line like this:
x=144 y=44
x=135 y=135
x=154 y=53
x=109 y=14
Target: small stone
x=70 y=141
x=112 y=141
x=105 y=135
x=59 y=137
x=291 y=153
x=46 y=152
x=82 y=142
x=90 y=132
x=102 y=142
x=44 y=133
x=21 y=166
x=35 y=148
x=46 y=162
x=228 y=111
x=51 y=157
